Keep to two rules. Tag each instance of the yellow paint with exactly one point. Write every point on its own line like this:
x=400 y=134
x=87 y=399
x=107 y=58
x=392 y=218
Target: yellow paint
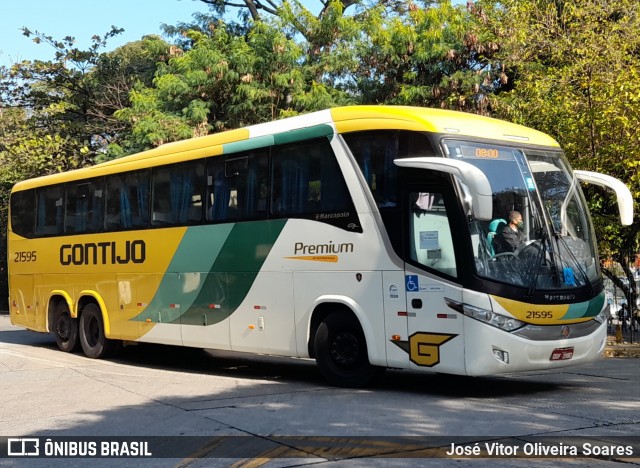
x=317 y=258
x=349 y=119
x=537 y=313
x=102 y=282
x=424 y=348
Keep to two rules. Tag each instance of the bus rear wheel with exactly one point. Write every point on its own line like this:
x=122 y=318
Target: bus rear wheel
x=341 y=352
x=92 y=338
x=65 y=328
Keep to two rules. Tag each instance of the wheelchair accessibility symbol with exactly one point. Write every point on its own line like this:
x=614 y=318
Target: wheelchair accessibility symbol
x=411 y=282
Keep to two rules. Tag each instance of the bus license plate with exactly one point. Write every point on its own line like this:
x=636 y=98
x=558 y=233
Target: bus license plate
x=561 y=354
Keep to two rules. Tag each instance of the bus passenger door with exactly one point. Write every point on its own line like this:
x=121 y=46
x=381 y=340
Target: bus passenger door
x=395 y=318
x=435 y=331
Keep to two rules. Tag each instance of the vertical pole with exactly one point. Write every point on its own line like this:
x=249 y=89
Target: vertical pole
x=630 y=301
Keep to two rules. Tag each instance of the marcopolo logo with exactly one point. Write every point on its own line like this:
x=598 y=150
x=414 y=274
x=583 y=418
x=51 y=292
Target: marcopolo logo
x=103 y=253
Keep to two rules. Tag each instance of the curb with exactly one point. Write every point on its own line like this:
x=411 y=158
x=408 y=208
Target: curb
x=626 y=350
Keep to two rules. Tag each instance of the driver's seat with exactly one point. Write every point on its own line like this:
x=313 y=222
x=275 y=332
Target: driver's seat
x=494 y=227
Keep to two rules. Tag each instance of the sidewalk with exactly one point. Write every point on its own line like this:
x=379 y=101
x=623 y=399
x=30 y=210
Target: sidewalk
x=623 y=349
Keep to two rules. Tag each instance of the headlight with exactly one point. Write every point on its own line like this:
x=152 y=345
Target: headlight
x=487 y=316
x=497 y=320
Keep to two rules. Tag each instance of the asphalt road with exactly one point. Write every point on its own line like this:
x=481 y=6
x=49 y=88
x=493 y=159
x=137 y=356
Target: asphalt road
x=193 y=403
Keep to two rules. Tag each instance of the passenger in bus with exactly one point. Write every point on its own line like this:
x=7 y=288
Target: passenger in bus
x=510 y=236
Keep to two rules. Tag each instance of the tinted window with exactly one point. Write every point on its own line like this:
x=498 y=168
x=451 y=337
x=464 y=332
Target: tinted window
x=85 y=206
x=50 y=211
x=238 y=186
x=22 y=212
x=127 y=200
x=178 y=193
x=375 y=151
x=307 y=182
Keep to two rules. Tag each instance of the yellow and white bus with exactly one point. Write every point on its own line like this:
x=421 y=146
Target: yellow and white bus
x=363 y=237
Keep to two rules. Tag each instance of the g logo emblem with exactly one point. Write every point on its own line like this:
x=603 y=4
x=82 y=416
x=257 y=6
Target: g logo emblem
x=424 y=348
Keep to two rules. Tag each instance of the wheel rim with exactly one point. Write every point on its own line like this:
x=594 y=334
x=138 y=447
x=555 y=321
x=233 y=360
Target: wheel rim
x=63 y=327
x=345 y=350
x=93 y=332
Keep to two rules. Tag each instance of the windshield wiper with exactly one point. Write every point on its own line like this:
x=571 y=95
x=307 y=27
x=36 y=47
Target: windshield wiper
x=539 y=260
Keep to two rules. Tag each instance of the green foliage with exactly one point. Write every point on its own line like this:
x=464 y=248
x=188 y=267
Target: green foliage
x=226 y=77
x=77 y=94
x=431 y=56
x=224 y=81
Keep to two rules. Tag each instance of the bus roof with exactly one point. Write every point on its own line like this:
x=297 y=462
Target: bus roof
x=343 y=119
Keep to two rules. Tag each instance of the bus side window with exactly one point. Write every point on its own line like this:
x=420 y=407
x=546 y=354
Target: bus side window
x=50 y=211
x=218 y=191
x=84 y=207
x=177 y=194
x=237 y=186
x=23 y=208
x=430 y=240
x=307 y=179
x=375 y=150
x=127 y=200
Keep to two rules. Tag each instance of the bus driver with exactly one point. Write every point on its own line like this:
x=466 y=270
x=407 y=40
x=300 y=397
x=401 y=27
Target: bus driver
x=511 y=236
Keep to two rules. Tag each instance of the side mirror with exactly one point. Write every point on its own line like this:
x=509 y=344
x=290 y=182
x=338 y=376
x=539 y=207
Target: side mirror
x=623 y=194
x=478 y=184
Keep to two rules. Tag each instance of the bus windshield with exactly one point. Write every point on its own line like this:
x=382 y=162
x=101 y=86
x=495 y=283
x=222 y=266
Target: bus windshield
x=540 y=236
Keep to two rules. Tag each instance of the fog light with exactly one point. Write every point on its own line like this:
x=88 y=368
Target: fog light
x=500 y=355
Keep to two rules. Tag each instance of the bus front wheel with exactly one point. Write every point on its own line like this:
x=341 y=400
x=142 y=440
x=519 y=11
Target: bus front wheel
x=341 y=351
x=65 y=328
x=92 y=338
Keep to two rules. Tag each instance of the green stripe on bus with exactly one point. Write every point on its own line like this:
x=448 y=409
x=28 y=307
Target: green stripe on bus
x=211 y=272
x=199 y=247
x=308 y=133
x=246 y=145
x=233 y=272
x=586 y=309
x=185 y=275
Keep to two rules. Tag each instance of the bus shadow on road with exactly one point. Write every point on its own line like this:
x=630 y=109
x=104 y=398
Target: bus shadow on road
x=305 y=372
x=300 y=371
x=27 y=337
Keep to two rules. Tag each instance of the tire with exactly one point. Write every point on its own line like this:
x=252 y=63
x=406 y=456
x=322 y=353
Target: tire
x=94 y=343
x=341 y=352
x=64 y=328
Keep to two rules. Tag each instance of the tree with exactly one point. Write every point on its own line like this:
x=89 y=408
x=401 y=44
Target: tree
x=433 y=55
x=77 y=94
x=324 y=30
x=224 y=81
x=60 y=95
x=575 y=69
x=253 y=9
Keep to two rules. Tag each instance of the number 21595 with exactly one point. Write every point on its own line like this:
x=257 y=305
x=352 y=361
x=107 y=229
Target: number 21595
x=25 y=256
